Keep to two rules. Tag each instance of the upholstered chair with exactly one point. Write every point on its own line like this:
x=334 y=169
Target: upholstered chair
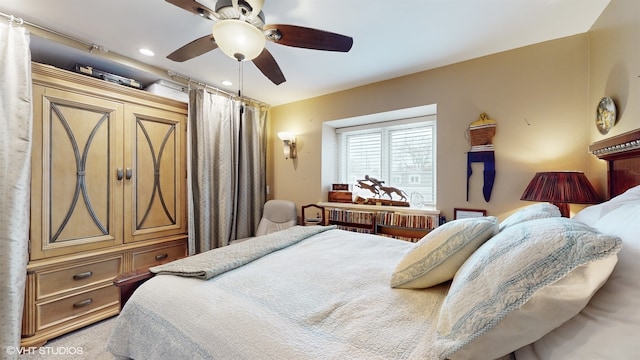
x=276 y=215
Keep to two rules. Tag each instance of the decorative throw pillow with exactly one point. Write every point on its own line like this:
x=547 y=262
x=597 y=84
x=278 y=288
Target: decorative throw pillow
x=531 y=212
x=521 y=284
x=607 y=328
x=438 y=255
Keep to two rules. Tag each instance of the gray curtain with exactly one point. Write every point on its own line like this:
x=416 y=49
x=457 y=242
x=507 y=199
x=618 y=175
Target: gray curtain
x=228 y=169
x=15 y=171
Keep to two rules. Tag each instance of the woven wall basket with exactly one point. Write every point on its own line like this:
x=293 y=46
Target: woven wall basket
x=482 y=135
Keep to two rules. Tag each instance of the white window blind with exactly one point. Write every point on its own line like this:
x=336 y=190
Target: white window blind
x=401 y=153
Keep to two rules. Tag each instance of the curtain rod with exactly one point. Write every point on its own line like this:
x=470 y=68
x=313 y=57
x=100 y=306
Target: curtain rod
x=21 y=21
x=121 y=59
x=12 y=18
x=189 y=80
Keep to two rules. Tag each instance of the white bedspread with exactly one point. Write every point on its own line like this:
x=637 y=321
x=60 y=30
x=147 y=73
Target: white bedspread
x=326 y=297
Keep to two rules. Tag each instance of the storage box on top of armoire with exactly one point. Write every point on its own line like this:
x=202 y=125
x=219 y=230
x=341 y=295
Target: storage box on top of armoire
x=169 y=89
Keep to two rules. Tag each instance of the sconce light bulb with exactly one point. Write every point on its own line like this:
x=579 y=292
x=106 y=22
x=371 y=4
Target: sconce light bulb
x=289 y=140
x=286 y=136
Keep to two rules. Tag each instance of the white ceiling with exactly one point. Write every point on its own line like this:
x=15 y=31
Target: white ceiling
x=391 y=37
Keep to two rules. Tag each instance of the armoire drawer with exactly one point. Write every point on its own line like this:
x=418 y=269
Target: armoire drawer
x=57 y=281
x=73 y=307
x=156 y=256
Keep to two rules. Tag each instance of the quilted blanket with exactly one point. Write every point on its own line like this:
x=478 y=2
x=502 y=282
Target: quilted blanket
x=212 y=263
x=324 y=297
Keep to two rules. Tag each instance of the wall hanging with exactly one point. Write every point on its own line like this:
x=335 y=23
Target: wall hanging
x=481 y=133
x=606 y=115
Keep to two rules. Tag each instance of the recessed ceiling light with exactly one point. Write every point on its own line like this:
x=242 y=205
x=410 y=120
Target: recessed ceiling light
x=226 y=83
x=146 y=52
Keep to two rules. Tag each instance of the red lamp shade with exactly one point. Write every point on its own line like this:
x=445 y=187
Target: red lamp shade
x=561 y=188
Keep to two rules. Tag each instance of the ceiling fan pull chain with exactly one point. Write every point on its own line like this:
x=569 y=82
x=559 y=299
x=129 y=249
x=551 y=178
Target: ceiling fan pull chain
x=239 y=78
x=240 y=86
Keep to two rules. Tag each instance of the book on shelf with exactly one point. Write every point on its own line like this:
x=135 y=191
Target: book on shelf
x=352 y=216
x=417 y=221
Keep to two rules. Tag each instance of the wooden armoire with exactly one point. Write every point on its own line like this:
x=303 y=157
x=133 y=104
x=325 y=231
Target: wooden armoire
x=108 y=195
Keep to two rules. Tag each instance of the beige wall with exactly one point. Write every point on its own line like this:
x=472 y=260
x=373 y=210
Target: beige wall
x=615 y=72
x=537 y=94
x=543 y=98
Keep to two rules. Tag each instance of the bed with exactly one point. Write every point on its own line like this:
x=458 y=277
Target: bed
x=534 y=286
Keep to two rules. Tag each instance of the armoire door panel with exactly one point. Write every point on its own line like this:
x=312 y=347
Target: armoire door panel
x=155 y=201
x=158 y=182
x=78 y=151
x=79 y=182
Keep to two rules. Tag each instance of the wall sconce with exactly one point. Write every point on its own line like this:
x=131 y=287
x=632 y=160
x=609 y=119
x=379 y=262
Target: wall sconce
x=289 y=144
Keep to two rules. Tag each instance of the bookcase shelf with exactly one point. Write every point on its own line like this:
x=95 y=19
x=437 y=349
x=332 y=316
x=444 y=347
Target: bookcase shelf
x=402 y=232
x=362 y=228
x=353 y=220
x=409 y=226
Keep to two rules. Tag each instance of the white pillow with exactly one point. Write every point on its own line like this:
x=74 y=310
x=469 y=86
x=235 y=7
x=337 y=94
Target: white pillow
x=438 y=255
x=521 y=284
x=607 y=328
x=531 y=212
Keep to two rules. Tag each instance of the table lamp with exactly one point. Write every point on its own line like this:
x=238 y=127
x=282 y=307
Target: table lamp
x=561 y=188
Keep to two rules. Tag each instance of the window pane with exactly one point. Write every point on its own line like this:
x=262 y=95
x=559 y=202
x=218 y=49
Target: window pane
x=400 y=155
x=411 y=161
x=363 y=155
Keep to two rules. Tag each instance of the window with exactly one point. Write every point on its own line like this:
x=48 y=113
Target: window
x=401 y=153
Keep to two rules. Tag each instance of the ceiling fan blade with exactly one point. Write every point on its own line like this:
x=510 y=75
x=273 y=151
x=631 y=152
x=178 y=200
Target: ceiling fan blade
x=195 y=48
x=303 y=37
x=269 y=67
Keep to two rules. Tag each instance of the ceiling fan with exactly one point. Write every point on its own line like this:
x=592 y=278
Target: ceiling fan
x=240 y=31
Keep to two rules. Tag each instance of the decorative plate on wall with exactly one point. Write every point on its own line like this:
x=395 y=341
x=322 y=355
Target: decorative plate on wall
x=605 y=115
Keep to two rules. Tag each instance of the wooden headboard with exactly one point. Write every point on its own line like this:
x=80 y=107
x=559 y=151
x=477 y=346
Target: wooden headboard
x=622 y=153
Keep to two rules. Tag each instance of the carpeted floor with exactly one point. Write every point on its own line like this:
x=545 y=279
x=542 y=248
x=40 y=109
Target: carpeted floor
x=86 y=343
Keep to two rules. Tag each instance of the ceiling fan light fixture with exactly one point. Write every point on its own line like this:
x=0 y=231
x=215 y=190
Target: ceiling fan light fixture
x=239 y=40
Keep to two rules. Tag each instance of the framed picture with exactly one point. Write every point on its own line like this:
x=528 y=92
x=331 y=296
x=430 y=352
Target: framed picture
x=467 y=213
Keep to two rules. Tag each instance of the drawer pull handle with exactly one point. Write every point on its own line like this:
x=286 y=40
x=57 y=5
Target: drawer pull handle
x=161 y=257
x=83 y=275
x=83 y=303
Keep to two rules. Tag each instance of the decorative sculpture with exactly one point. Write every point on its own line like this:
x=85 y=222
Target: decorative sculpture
x=374 y=181
x=378 y=190
x=371 y=187
x=388 y=190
